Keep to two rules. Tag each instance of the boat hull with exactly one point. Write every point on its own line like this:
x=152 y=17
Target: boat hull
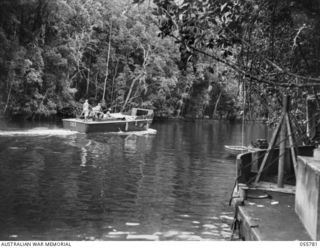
x=82 y=126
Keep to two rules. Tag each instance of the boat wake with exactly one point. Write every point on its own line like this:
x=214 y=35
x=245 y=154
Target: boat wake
x=37 y=132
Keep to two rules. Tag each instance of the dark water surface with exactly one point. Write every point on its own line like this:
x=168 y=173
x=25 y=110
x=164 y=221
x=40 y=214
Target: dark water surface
x=175 y=185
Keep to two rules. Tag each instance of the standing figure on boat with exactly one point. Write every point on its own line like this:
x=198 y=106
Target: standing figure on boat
x=85 y=109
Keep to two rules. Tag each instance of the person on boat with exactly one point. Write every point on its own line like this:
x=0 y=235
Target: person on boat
x=85 y=109
x=107 y=114
x=97 y=111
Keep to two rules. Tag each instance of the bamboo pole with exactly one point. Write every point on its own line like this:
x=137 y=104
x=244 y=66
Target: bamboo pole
x=283 y=138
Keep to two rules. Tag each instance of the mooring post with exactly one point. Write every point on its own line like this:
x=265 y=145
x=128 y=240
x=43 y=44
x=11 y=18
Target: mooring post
x=270 y=148
x=283 y=138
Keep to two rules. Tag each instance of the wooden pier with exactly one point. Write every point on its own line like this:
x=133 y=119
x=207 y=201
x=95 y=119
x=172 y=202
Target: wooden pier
x=270 y=219
x=265 y=212
x=277 y=195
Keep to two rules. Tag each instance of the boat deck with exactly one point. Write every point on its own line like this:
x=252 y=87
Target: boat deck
x=96 y=122
x=111 y=120
x=270 y=219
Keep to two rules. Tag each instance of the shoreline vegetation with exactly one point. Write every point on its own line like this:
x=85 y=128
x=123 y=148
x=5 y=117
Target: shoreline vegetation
x=183 y=59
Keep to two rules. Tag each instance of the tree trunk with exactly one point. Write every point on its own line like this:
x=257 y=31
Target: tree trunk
x=140 y=76
x=96 y=83
x=130 y=91
x=216 y=105
x=113 y=81
x=107 y=69
x=8 y=99
x=88 y=83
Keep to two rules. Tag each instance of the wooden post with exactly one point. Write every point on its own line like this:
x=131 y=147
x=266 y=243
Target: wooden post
x=270 y=147
x=283 y=138
x=293 y=153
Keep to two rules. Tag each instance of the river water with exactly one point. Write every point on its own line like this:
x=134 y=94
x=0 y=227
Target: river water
x=173 y=185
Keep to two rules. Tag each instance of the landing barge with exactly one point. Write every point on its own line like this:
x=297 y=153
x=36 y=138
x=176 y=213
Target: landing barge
x=266 y=212
x=138 y=120
x=277 y=191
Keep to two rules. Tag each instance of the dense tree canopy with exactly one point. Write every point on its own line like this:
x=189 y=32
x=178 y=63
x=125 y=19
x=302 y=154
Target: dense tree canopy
x=273 y=46
x=56 y=53
x=182 y=58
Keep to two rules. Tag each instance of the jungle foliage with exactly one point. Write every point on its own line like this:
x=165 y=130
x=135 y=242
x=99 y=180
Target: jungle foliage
x=272 y=46
x=56 y=53
x=199 y=58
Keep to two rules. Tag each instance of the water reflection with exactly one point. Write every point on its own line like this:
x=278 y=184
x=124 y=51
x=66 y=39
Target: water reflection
x=170 y=186
x=130 y=143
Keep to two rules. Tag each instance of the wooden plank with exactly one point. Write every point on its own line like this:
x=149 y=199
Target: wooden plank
x=271 y=219
x=271 y=145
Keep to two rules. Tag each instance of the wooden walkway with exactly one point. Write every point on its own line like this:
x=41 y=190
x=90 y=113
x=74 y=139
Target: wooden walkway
x=270 y=219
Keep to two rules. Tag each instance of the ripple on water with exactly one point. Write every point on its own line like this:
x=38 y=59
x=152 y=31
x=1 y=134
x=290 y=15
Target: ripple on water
x=103 y=186
x=210 y=226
